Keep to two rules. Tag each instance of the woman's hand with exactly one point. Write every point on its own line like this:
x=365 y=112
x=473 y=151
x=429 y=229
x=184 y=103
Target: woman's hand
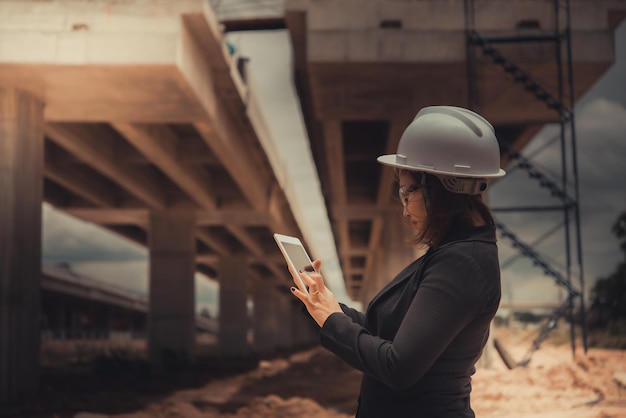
x=322 y=301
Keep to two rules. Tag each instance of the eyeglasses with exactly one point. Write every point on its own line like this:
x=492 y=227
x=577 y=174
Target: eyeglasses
x=404 y=194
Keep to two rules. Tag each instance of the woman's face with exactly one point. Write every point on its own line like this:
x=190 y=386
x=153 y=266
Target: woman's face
x=412 y=200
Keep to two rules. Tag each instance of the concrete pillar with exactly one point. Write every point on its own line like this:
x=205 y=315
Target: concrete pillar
x=296 y=315
x=305 y=332
x=21 y=195
x=172 y=317
x=234 y=320
x=392 y=255
x=284 y=312
x=265 y=318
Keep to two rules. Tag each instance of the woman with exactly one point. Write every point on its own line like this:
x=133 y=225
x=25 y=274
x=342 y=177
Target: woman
x=421 y=336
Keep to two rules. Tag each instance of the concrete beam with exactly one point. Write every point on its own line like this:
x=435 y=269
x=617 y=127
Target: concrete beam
x=135 y=216
x=233 y=216
x=78 y=33
x=255 y=248
x=160 y=145
x=95 y=149
x=355 y=31
x=121 y=58
x=111 y=216
x=89 y=187
x=232 y=141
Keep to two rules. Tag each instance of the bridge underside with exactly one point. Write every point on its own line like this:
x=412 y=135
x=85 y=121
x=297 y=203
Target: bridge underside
x=124 y=139
x=361 y=81
x=137 y=117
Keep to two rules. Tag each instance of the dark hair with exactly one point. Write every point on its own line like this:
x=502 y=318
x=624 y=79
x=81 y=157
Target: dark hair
x=447 y=210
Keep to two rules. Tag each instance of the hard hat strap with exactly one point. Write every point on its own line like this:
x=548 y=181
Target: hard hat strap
x=464 y=185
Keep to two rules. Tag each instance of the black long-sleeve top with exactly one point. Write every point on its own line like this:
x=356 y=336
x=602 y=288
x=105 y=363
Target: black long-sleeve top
x=419 y=340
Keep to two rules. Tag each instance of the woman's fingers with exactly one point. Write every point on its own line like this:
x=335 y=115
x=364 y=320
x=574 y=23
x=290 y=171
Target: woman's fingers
x=318 y=280
x=308 y=280
x=312 y=276
x=314 y=266
x=298 y=280
x=299 y=294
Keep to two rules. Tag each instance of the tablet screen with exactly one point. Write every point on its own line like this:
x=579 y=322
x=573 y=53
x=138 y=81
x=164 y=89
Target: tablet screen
x=297 y=255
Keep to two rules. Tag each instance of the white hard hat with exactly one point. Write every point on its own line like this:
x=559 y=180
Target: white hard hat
x=451 y=143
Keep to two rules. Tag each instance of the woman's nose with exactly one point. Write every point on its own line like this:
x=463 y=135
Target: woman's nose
x=405 y=212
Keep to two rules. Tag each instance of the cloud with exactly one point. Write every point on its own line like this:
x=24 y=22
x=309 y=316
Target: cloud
x=65 y=238
x=600 y=126
x=523 y=284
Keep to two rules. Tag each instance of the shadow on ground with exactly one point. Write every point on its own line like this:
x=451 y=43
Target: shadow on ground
x=113 y=386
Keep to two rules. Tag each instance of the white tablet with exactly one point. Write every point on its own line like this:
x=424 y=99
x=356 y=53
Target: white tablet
x=296 y=256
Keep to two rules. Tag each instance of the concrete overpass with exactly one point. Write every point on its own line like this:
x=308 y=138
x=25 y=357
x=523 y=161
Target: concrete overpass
x=67 y=296
x=136 y=116
x=363 y=69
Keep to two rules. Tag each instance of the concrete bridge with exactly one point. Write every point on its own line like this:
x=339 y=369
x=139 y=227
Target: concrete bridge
x=73 y=304
x=135 y=115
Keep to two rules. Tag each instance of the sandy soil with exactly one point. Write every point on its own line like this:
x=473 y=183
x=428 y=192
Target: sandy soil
x=555 y=384
x=314 y=383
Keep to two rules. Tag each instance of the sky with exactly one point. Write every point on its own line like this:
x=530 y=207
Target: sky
x=600 y=128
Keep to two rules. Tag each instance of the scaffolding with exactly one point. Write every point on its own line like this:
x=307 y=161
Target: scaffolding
x=562 y=102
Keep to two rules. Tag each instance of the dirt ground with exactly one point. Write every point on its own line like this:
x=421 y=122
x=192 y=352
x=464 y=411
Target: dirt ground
x=555 y=384
x=314 y=383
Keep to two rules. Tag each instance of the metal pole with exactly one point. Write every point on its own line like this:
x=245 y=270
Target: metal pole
x=579 y=251
x=564 y=114
x=472 y=89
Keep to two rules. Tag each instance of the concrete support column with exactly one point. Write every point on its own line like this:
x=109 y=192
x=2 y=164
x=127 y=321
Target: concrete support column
x=284 y=312
x=172 y=317
x=21 y=195
x=234 y=319
x=305 y=331
x=312 y=332
x=392 y=256
x=265 y=318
